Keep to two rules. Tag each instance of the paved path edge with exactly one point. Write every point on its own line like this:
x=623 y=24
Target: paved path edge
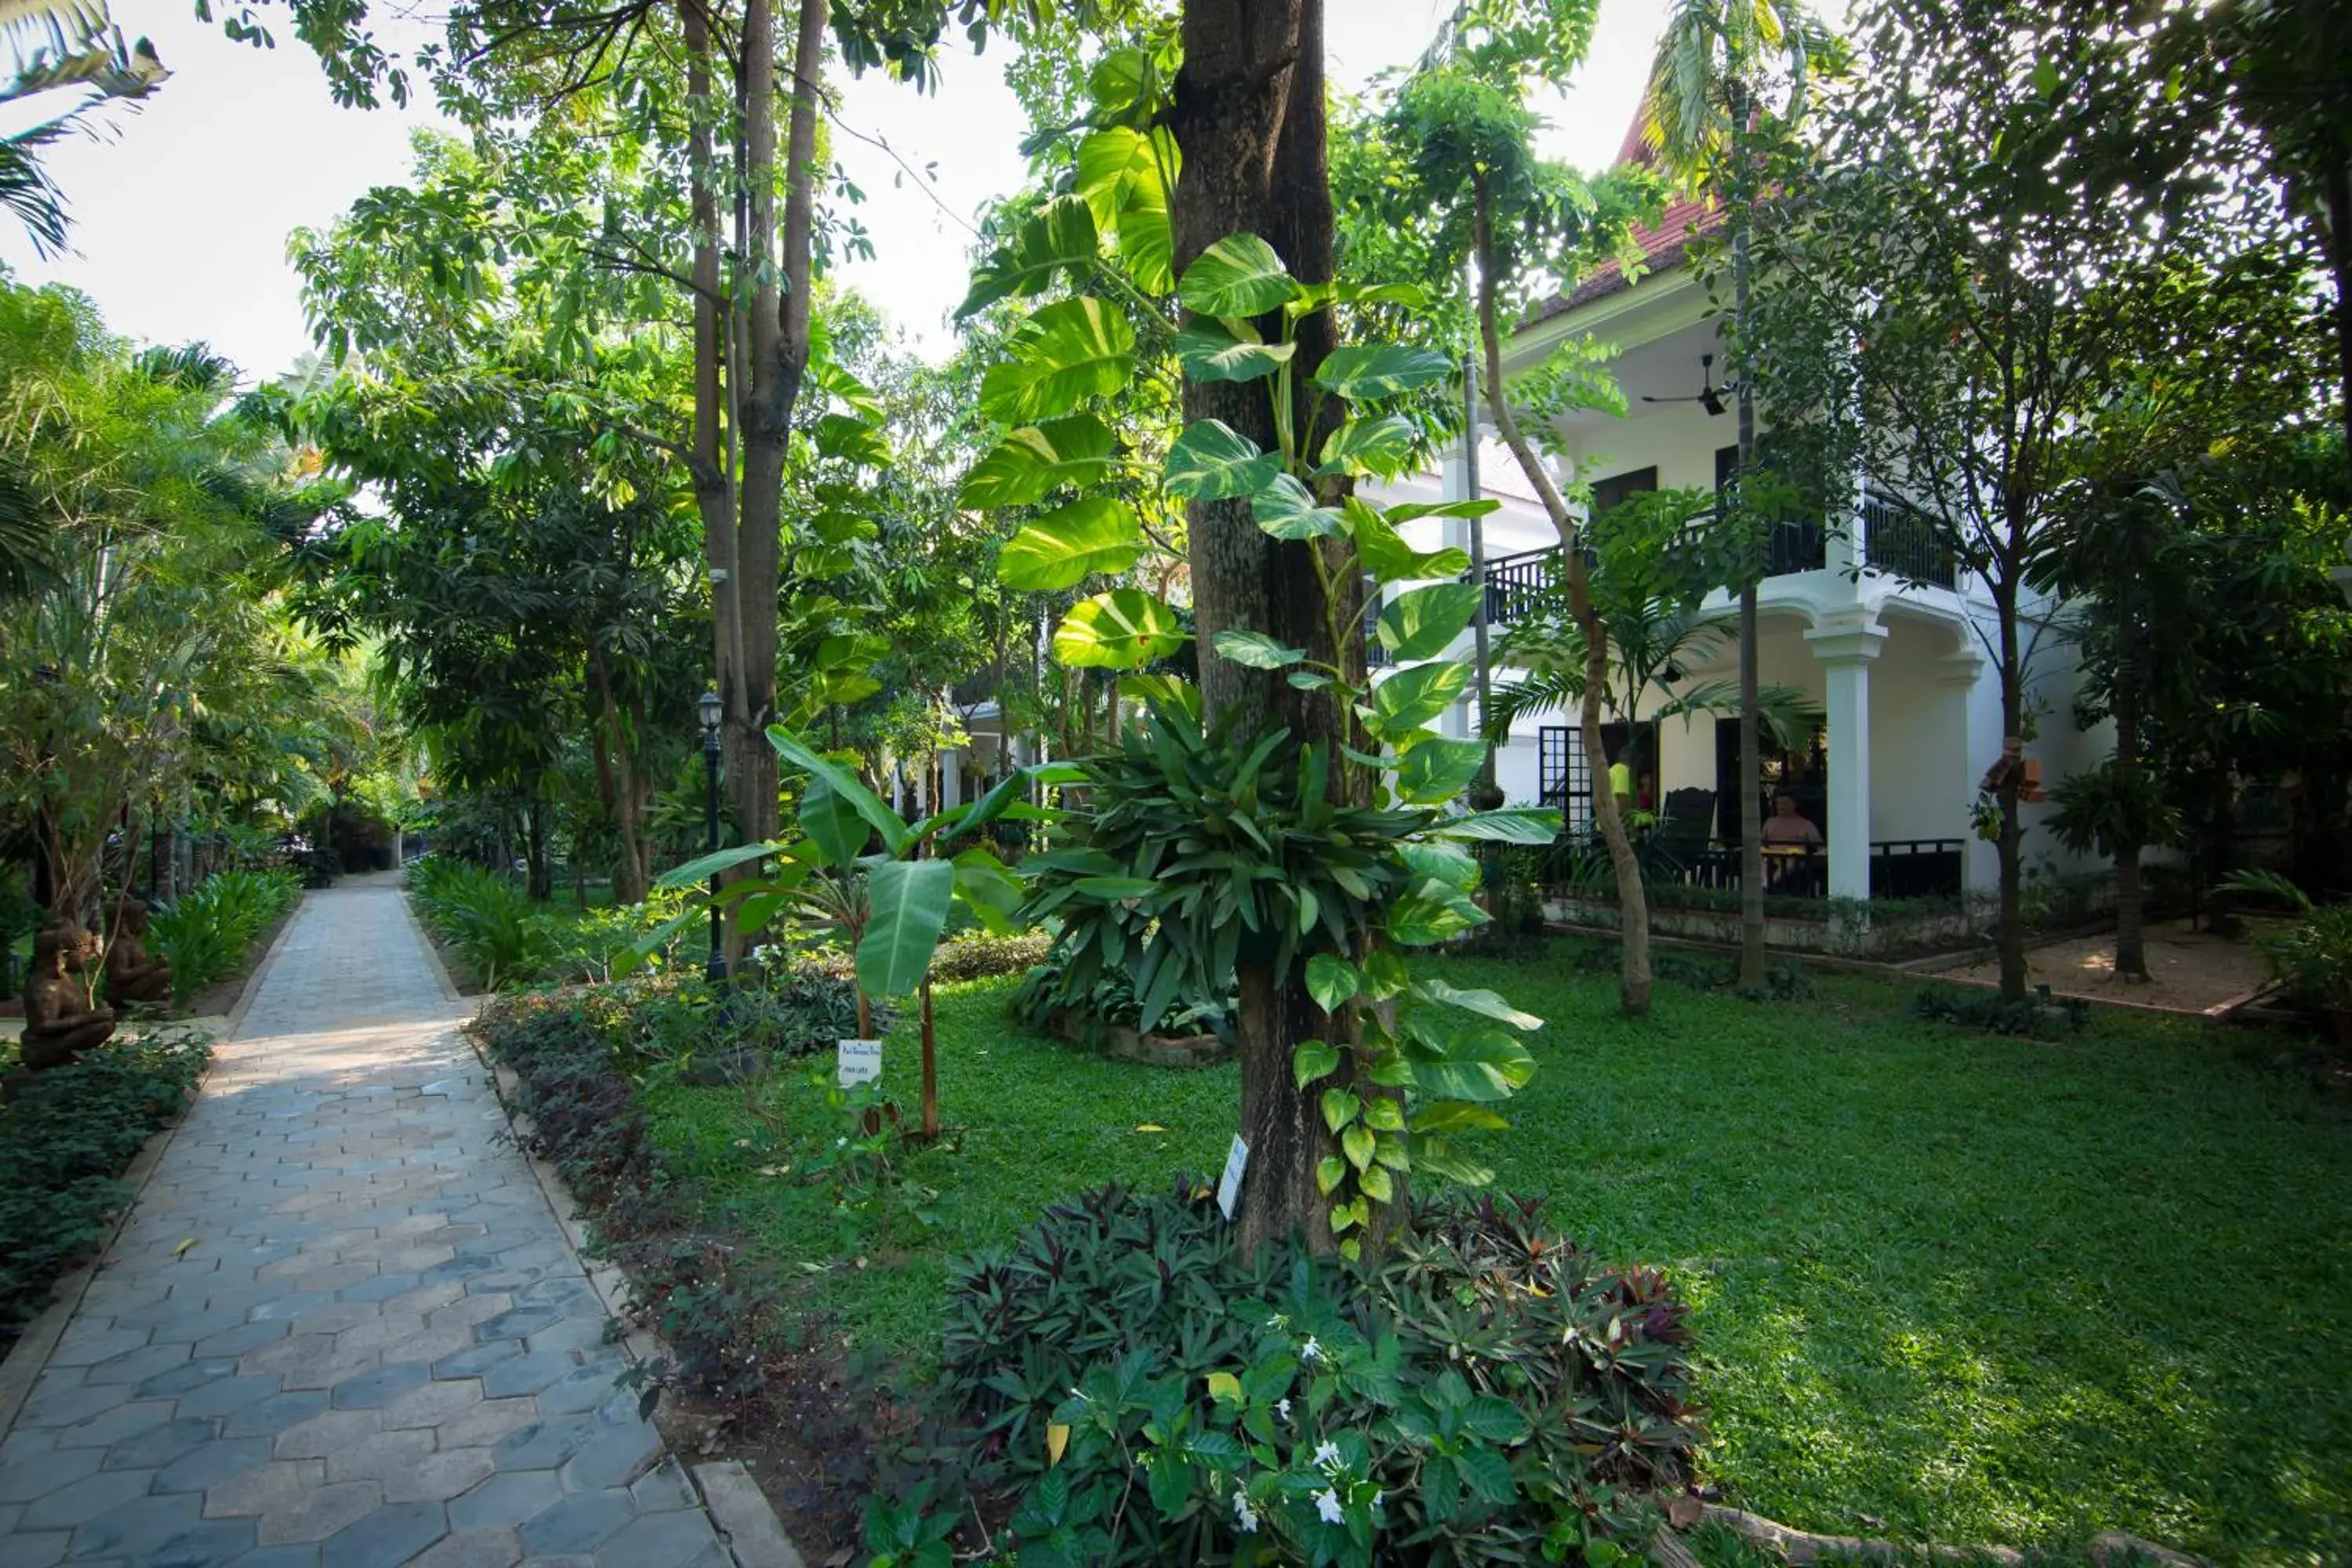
x=748 y=1522
x=30 y=1354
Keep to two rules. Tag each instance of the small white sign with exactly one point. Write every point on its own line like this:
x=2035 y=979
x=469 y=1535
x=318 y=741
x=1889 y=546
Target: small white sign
x=858 y=1062
x=1229 y=1186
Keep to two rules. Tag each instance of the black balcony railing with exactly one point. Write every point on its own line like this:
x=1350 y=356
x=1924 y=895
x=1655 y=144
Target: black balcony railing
x=1903 y=541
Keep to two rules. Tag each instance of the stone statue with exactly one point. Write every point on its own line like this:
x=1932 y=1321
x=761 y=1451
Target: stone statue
x=59 y=1021
x=130 y=974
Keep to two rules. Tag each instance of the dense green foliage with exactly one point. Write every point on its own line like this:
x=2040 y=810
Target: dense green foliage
x=65 y=1139
x=1490 y=1392
x=205 y=931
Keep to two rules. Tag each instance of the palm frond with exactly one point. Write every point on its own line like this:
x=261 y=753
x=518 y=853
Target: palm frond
x=1536 y=691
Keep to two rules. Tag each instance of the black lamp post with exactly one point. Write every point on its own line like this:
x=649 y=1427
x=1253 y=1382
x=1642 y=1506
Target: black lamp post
x=715 y=971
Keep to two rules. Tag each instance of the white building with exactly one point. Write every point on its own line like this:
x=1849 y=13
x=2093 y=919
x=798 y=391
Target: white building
x=1887 y=641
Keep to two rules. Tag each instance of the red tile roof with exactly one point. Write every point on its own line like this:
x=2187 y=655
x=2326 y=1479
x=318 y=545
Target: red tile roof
x=1663 y=246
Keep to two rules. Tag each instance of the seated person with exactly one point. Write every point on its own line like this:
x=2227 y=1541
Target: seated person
x=1787 y=829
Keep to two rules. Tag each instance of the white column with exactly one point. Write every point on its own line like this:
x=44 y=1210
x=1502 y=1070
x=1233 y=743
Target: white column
x=1845 y=648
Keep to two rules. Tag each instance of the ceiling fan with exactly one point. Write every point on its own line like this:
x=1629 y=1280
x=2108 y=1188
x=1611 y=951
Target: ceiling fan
x=1709 y=396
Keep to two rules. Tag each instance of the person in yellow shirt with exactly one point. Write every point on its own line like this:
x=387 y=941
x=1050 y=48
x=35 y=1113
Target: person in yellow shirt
x=1620 y=785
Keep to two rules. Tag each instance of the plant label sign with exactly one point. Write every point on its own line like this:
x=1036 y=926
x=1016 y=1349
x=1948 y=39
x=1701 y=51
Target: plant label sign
x=857 y=1061
x=1229 y=1185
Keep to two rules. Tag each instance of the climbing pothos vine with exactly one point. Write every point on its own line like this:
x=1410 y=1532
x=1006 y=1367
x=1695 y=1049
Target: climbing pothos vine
x=1194 y=848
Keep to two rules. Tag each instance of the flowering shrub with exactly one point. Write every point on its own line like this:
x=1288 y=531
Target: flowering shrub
x=1488 y=1393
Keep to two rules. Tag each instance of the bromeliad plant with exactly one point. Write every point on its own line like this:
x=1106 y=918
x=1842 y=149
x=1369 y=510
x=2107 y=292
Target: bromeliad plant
x=1206 y=849
x=877 y=879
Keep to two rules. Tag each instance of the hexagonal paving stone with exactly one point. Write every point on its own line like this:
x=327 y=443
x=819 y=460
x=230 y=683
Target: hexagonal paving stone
x=66 y=1406
x=278 y=1485
x=244 y=1337
x=380 y=1458
x=320 y=1513
x=527 y=1373
x=159 y=1446
x=516 y=1322
x=382 y=1287
x=474 y=1549
x=40 y=1473
x=222 y=1460
x=544 y=1445
x=582 y=1388
x=507 y=1500
x=614 y=1458
x=138 y=1365
x=187 y=1377
x=375 y=1389
x=76 y=1503
x=439 y=1477
x=475 y=1360
x=305 y=1555
x=660 y=1541
x=228 y=1396
x=434 y=1403
x=290 y=1305
x=115 y=1425
x=268 y=1418
x=662 y=1488
x=581 y=1522
x=34 y=1549
x=387 y=1537
x=203 y=1545
x=579 y=1334
x=142 y=1525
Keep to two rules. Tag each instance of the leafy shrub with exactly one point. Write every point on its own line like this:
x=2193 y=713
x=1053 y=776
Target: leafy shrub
x=1487 y=1393
x=2043 y=1016
x=601 y=943
x=64 y=1140
x=978 y=954
x=204 y=932
x=2311 y=955
x=1782 y=982
x=485 y=917
x=1109 y=1000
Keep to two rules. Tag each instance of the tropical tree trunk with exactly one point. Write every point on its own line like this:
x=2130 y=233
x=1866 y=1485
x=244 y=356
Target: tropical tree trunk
x=2131 y=896
x=539 y=882
x=1249 y=119
x=1751 y=748
x=1632 y=901
x=2010 y=940
x=616 y=781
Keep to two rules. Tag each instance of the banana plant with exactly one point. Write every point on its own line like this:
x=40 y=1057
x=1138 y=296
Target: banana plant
x=884 y=882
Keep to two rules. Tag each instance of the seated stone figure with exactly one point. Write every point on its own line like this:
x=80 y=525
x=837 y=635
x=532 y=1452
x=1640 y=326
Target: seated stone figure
x=132 y=975
x=59 y=1021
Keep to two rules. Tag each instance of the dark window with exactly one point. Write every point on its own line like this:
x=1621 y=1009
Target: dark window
x=1609 y=492
x=1562 y=777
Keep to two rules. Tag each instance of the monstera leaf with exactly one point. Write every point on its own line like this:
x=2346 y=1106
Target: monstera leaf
x=1124 y=628
x=1066 y=354
x=1064 y=547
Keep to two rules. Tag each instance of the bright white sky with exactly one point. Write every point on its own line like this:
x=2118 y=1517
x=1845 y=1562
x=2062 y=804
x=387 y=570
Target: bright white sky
x=181 y=215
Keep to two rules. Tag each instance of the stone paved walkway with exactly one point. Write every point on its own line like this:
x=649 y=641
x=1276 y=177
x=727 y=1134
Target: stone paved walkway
x=342 y=1329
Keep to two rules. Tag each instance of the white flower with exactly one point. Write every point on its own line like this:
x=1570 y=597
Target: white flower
x=1326 y=1457
x=1326 y=1503
x=1278 y=1322
x=1311 y=1351
x=841 y=1142
x=1244 y=1515
x=1282 y=1408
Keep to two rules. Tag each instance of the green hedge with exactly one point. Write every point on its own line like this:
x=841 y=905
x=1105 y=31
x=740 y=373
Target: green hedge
x=204 y=932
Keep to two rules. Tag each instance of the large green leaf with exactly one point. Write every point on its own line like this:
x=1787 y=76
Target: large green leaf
x=1255 y=650
x=1063 y=548
x=1412 y=698
x=1386 y=555
x=1361 y=371
x=1431 y=914
x=1058 y=235
x=1406 y=512
x=1381 y=447
x=1124 y=628
x=1286 y=510
x=702 y=868
x=833 y=824
x=1209 y=353
x=1032 y=462
x=1066 y=353
x=1147 y=241
x=1437 y=769
x=1485 y=1004
x=1482 y=1067
x=1422 y=623
x=1111 y=160
x=1238 y=276
x=907 y=908
x=868 y=805
x=1515 y=825
x=1212 y=461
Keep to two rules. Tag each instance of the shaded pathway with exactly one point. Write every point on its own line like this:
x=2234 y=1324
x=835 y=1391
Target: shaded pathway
x=342 y=1329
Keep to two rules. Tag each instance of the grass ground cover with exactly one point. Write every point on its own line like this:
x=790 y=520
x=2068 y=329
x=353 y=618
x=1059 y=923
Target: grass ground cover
x=1946 y=1286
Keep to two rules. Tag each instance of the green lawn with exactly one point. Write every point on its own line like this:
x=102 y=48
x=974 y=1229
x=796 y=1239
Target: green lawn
x=1947 y=1285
